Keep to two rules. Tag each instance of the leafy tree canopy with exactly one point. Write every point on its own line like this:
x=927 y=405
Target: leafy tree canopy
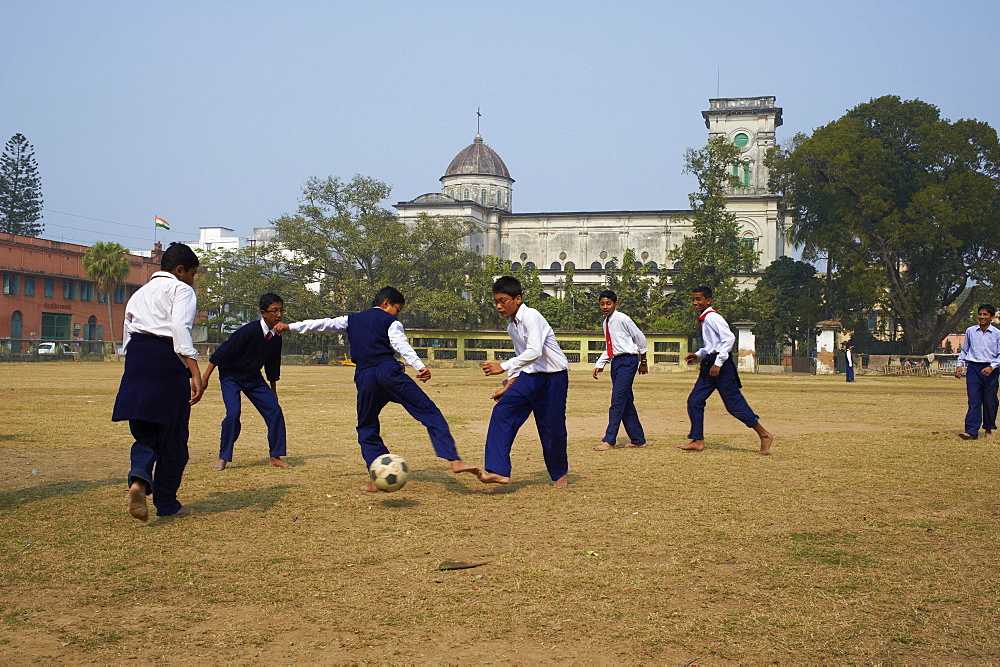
x=906 y=205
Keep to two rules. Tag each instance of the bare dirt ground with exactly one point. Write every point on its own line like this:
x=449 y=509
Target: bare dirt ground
x=868 y=536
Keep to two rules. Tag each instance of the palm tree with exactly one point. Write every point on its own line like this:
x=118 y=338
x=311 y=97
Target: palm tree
x=107 y=264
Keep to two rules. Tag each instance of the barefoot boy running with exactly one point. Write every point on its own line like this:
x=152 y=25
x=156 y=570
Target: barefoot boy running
x=537 y=382
x=717 y=373
x=375 y=335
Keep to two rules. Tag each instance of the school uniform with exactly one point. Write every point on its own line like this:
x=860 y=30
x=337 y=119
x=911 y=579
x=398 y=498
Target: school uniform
x=718 y=342
x=849 y=358
x=541 y=385
x=980 y=350
x=375 y=336
x=239 y=361
x=155 y=388
x=623 y=343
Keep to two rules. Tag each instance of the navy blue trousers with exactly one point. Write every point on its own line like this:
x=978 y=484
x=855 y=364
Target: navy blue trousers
x=388 y=382
x=158 y=457
x=729 y=391
x=983 y=402
x=622 y=411
x=545 y=395
x=266 y=402
x=850 y=373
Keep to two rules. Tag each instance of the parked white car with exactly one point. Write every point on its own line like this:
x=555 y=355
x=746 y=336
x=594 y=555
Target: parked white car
x=54 y=348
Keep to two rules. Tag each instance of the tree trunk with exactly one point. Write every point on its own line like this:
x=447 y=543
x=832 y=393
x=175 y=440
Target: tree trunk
x=111 y=328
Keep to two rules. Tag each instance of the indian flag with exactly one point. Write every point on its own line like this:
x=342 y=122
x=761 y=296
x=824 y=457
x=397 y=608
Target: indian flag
x=160 y=222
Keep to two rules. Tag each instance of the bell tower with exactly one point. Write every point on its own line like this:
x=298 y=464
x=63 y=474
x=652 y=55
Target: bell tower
x=748 y=123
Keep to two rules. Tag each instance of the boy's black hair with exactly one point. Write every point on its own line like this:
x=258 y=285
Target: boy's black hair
x=269 y=299
x=988 y=308
x=393 y=295
x=508 y=285
x=609 y=295
x=704 y=290
x=178 y=254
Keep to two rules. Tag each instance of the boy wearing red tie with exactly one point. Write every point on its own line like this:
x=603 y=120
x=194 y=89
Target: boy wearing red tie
x=717 y=373
x=625 y=348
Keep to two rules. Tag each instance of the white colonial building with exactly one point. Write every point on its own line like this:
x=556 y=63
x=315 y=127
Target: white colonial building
x=478 y=187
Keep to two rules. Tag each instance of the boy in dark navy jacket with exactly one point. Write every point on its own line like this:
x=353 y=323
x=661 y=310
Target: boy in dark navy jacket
x=375 y=336
x=239 y=360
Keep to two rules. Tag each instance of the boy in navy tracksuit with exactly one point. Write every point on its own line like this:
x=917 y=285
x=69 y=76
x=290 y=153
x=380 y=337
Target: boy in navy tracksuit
x=239 y=360
x=537 y=383
x=375 y=335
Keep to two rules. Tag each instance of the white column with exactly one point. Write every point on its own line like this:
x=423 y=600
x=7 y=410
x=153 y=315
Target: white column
x=826 y=346
x=746 y=347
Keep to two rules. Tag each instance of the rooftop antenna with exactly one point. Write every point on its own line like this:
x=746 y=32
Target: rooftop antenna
x=478 y=116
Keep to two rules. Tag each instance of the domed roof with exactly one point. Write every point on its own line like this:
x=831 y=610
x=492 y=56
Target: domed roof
x=477 y=159
x=433 y=198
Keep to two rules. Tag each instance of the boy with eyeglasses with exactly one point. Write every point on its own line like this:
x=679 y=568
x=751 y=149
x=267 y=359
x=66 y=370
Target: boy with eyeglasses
x=239 y=360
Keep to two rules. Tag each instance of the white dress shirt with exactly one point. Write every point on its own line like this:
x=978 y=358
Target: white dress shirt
x=625 y=337
x=717 y=336
x=266 y=329
x=534 y=344
x=164 y=307
x=980 y=347
x=397 y=335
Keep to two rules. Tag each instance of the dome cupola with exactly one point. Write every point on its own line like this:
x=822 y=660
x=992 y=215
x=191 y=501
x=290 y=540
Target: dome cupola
x=478 y=174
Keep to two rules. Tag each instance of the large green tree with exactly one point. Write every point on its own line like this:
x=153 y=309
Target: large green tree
x=108 y=265
x=906 y=207
x=344 y=240
x=788 y=302
x=20 y=189
x=715 y=252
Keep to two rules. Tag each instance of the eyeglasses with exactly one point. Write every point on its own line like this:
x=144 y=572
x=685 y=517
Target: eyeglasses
x=279 y=311
x=503 y=301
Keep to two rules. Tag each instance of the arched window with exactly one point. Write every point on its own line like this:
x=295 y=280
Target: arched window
x=610 y=265
x=16 y=324
x=516 y=266
x=482 y=197
x=652 y=267
x=530 y=265
x=556 y=266
x=638 y=265
x=570 y=265
x=746 y=174
x=90 y=333
x=596 y=266
x=466 y=194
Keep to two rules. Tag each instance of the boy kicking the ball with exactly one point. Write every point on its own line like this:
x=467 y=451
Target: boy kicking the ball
x=375 y=335
x=717 y=373
x=537 y=383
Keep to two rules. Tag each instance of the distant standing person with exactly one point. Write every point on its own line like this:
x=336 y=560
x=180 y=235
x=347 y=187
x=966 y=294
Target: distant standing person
x=849 y=361
x=160 y=383
x=717 y=372
x=625 y=348
x=239 y=361
x=981 y=354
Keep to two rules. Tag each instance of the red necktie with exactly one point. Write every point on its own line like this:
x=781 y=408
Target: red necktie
x=607 y=339
x=267 y=336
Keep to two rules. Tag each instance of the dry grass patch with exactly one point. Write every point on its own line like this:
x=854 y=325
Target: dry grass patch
x=868 y=536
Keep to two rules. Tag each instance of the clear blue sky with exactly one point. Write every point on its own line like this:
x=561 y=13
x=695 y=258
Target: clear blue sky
x=215 y=112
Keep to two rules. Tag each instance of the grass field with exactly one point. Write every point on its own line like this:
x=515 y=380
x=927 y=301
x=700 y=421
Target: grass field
x=870 y=534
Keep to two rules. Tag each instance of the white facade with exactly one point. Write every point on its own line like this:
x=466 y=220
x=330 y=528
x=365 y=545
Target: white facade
x=477 y=187
x=216 y=238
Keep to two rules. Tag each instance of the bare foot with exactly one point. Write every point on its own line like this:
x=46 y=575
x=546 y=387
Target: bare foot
x=603 y=447
x=276 y=462
x=766 y=440
x=989 y=434
x=219 y=465
x=561 y=483
x=492 y=478
x=137 y=501
x=459 y=465
x=369 y=488
x=693 y=446
x=635 y=446
x=183 y=511
x=966 y=436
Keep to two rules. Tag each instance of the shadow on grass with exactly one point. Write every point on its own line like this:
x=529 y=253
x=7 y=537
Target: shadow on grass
x=10 y=437
x=400 y=502
x=226 y=501
x=468 y=483
x=294 y=461
x=14 y=499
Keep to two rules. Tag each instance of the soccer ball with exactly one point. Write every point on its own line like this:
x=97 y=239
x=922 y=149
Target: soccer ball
x=389 y=472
